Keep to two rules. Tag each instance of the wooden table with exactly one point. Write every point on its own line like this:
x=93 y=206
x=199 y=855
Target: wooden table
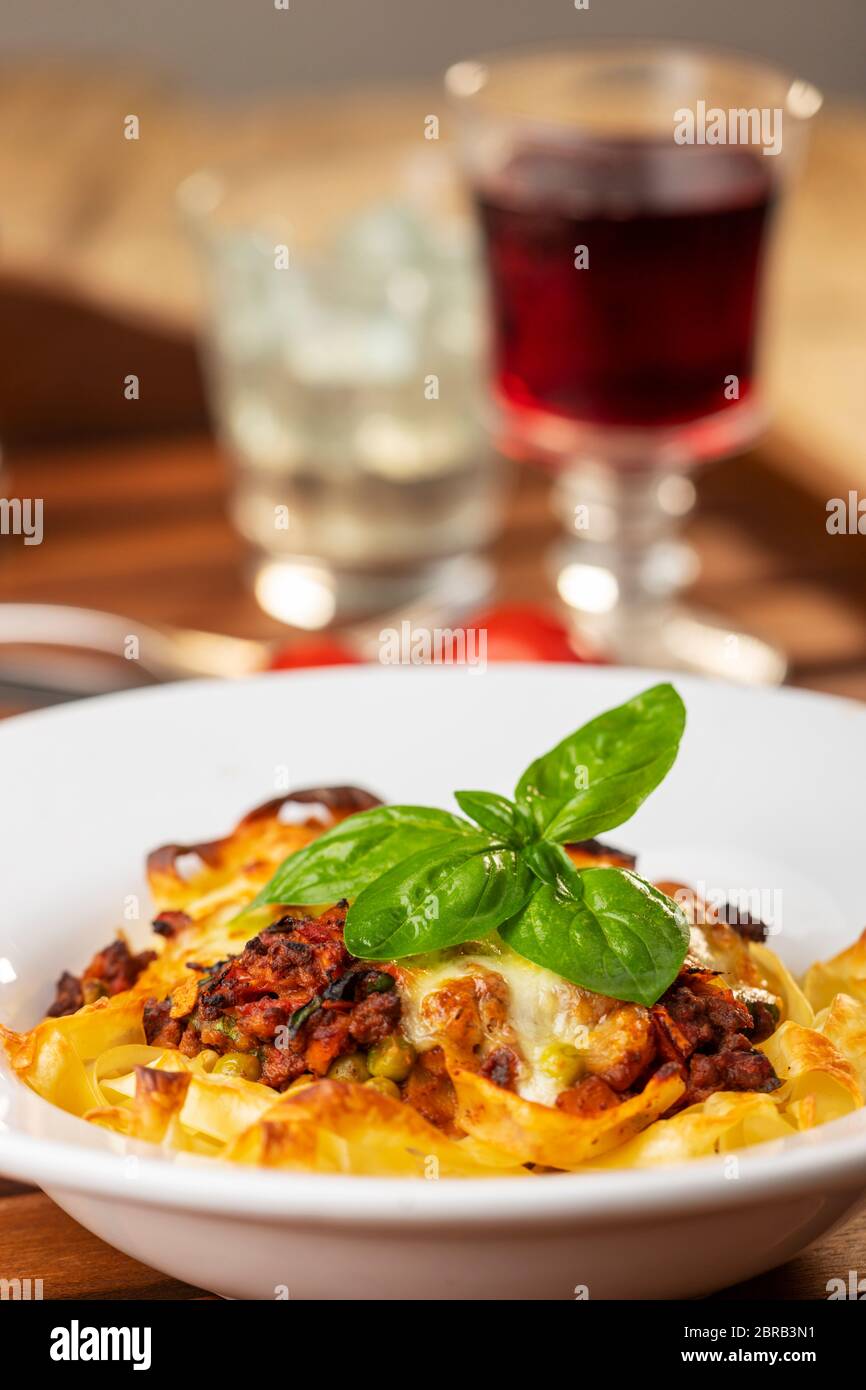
x=140 y=527
x=137 y=523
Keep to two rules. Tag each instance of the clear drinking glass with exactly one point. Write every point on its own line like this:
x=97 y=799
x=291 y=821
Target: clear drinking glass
x=625 y=246
x=344 y=349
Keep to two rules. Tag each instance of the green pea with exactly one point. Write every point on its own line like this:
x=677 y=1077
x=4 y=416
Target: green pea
x=392 y=1058
x=383 y=1086
x=353 y=1067
x=243 y=1064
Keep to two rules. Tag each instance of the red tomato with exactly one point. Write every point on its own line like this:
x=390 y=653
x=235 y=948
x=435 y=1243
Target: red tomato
x=512 y=632
x=528 y=632
x=317 y=651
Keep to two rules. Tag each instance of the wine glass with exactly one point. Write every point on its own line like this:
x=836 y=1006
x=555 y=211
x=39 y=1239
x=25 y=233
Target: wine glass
x=624 y=193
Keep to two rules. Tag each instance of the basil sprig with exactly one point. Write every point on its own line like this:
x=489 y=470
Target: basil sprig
x=598 y=777
x=423 y=879
x=357 y=851
x=438 y=899
x=606 y=929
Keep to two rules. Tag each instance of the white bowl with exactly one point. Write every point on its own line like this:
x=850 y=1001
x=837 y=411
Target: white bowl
x=767 y=793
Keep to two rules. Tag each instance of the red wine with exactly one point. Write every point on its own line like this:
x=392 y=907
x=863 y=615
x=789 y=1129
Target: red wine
x=665 y=312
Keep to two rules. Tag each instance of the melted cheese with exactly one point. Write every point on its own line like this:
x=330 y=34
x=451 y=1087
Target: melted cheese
x=553 y=1022
x=551 y=1018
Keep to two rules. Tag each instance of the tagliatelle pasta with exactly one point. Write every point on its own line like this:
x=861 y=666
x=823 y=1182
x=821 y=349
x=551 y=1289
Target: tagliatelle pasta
x=843 y=974
x=540 y=1134
x=844 y=1023
x=795 y=1005
x=334 y=1127
x=819 y=1082
x=724 y=1122
x=258 y=1039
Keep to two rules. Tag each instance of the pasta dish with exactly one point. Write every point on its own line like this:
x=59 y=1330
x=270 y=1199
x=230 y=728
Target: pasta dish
x=343 y=986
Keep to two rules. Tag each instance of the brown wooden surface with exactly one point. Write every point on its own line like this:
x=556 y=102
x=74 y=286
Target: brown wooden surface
x=139 y=526
x=39 y=1241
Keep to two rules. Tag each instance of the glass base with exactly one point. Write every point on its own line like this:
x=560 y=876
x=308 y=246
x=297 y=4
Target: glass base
x=654 y=629
x=674 y=638
x=311 y=596
x=624 y=566
x=559 y=442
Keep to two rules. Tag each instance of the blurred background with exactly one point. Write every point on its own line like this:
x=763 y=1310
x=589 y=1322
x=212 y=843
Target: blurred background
x=195 y=414
x=223 y=49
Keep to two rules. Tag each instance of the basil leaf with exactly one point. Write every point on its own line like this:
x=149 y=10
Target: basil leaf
x=551 y=864
x=599 y=776
x=609 y=931
x=438 y=898
x=340 y=863
x=495 y=813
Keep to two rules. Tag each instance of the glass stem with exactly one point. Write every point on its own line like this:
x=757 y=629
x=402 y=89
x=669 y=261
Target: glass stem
x=623 y=559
